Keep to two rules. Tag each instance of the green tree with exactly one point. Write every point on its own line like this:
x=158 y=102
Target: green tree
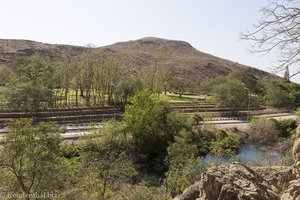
x=185 y=166
x=231 y=94
x=286 y=76
x=277 y=95
x=4 y=75
x=181 y=85
x=139 y=192
x=151 y=124
x=31 y=158
x=246 y=76
x=159 y=76
x=31 y=85
x=63 y=77
x=106 y=167
x=127 y=88
x=294 y=93
x=226 y=144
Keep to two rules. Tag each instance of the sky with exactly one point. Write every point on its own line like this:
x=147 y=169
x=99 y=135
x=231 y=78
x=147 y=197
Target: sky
x=211 y=26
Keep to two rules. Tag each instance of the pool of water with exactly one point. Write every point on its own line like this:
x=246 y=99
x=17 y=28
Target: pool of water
x=249 y=154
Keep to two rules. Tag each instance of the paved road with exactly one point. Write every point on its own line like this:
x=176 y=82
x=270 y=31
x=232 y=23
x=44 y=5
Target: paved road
x=75 y=131
x=243 y=124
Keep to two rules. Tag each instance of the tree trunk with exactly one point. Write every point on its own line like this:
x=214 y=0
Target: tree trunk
x=76 y=97
x=180 y=94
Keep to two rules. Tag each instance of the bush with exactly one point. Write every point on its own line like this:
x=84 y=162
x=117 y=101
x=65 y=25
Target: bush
x=105 y=161
x=226 y=144
x=138 y=192
x=263 y=131
x=69 y=151
x=287 y=127
x=185 y=166
x=195 y=119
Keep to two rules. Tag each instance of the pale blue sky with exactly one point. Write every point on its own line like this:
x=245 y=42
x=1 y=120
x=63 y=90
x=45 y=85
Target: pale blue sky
x=211 y=26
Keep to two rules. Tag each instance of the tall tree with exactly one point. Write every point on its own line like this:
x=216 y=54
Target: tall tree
x=287 y=74
x=31 y=157
x=31 y=85
x=277 y=95
x=246 y=75
x=152 y=125
x=158 y=76
x=232 y=94
x=105 y=161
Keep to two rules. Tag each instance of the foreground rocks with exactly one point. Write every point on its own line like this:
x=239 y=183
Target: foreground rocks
x=238 y=181
x=241 y=182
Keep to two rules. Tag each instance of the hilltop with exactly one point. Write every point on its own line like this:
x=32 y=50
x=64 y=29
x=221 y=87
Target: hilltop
x=136 y=56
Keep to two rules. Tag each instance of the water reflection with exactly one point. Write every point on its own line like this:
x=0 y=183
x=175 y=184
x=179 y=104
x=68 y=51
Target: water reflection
x=249 y=154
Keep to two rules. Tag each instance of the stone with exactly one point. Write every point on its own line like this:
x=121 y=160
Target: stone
x=191 y=192
x=237 y=181
x=296 y=150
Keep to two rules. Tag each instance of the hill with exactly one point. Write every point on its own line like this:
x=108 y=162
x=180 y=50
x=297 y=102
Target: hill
x=136 y=56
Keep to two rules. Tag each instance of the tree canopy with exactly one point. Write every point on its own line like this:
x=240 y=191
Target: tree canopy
x=31 y=158
x=231 y=94
x=31 y=84
x=152 y=124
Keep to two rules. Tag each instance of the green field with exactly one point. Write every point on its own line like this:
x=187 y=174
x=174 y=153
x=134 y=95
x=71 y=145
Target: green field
x=174 y=98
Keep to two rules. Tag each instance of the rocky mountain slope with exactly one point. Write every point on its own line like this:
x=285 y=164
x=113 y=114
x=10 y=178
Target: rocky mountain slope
x=136 y=56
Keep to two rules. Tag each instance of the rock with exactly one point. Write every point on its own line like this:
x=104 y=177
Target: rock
x=298 y=132
x=296 y=150
x=190 y=193
x=229 y=182
x=292 y=192
x=278 y=176
x=240 y=182
x=235 y=181
x=296 y=153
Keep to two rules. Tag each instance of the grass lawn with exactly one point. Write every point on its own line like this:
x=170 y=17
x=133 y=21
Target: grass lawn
x=3 y=99
x=175 y=97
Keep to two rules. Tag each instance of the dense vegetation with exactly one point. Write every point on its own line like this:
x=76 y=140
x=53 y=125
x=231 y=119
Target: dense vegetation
x=154 y=153
x=92 y=79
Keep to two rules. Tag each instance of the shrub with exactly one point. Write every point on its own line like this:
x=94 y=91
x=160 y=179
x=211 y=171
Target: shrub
x=263 y=131
x=69 y=150
x=287 y=127
x=226 y=144
x=185 y=166
x=138 y=192
x=105 y=161
x=195 y=119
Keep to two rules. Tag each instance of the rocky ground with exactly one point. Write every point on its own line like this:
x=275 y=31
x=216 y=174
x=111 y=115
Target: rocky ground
x=239 y=181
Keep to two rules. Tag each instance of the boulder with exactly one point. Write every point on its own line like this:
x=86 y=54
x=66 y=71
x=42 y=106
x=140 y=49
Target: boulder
x=235 y=181
x=240 y=182
x=191 y=192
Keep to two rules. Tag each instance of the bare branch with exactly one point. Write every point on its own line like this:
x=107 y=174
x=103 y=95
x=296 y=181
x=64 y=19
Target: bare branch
x=278 y=31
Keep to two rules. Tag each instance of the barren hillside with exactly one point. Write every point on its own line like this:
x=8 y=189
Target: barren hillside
x=135 y=55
